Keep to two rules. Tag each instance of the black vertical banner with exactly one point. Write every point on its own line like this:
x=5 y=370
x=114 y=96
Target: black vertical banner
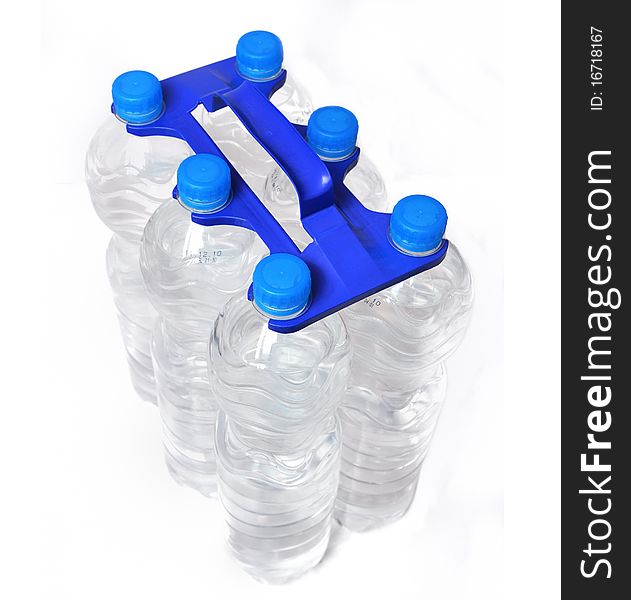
x=595 y=297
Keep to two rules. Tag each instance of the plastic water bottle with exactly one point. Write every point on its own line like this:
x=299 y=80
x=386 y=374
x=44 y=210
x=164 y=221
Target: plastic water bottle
x=278 y=437
x=129 y=177
x=259 y=57
x=332 y=133
x=400 y=338
x=190 y=272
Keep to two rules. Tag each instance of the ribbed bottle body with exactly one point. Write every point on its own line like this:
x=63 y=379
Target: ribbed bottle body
x=190 y=271
x=188 y=414
x=128 y=177
x=278 y=437
x=136 y=315
x=400 y=338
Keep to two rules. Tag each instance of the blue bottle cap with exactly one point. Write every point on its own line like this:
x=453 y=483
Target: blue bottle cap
x=259 y=55
x=417 y=224
x=137 y=97
x=203 y=183
x=332 y=132
x=281 y=285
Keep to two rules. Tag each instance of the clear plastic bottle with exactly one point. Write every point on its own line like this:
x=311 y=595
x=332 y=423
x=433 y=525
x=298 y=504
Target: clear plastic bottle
x=136 y=315
x=190 y=272
x=332 y=133
x=400 y=338
x=129 y=177
x=259 y=57
x=278 y=437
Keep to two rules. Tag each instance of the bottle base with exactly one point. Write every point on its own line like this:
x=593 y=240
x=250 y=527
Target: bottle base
x=348 y=518
x=363 y=512
x=266 y=567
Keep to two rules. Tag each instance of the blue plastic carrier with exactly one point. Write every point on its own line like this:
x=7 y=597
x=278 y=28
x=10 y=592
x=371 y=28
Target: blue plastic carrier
x=351 y=256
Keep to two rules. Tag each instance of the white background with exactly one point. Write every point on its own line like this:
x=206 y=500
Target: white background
x=458 y=100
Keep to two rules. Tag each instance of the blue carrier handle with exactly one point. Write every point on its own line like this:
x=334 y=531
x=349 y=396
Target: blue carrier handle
x=351 y=256
x=284 y=144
